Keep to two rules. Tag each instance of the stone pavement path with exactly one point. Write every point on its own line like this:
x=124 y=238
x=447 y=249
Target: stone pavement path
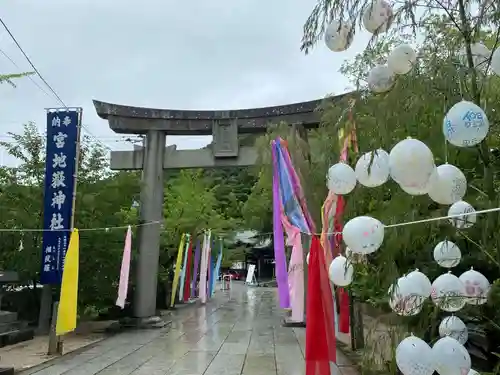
x=237 y=333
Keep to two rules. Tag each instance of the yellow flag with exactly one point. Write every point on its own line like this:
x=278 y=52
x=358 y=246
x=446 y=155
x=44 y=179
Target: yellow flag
x=177 y=270
x=66 y=313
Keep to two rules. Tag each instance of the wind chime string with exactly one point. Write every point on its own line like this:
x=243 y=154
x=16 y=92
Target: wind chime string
x=21 y=230
x=445 y=141
x=422 y=221
x=489 y=210
x=461 y=215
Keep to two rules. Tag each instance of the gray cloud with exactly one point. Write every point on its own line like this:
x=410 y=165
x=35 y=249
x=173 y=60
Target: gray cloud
x=163 y=53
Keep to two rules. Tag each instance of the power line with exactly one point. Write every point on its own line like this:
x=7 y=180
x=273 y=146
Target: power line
x=109 y=138
x=89 y=133
x=103 y=137
x=115 y=139
x=29 y=76
x=432 y=219
x=31 y=63
x=83 y=126
x=44 y=80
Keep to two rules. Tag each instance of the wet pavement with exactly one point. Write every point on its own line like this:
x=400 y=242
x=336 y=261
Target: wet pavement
x=238 y=332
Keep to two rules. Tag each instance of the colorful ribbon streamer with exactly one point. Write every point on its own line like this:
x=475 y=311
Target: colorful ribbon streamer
x=67 y=309
x=195 y=269
x=183 y=273
x=203 y=267
x=218 y=264
x=321 y=347
x=295 y=272
x=177 y=270
x=278 y=237
x=125 y=270
x=211 y=267
x=294 y=218
x=187 y=291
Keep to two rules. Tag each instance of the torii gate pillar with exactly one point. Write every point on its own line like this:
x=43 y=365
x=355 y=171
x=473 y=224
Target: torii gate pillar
x=151 y=211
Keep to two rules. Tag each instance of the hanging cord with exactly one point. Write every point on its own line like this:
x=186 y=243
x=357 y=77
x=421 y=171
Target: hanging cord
x=445 y=151
x=460 y=88
x=489 y=210
x=445 y=140
x=106 y=229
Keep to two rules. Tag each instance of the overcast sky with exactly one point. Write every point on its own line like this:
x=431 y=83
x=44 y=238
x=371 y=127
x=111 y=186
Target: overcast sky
x=191 y=54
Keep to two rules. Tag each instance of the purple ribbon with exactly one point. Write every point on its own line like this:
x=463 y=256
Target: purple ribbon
x=279 y=240
x=299 y=192
x=195 y=270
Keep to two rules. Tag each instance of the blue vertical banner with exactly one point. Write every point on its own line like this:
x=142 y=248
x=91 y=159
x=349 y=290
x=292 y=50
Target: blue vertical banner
x=60 y=170
x=217 y=266
x=211 y=276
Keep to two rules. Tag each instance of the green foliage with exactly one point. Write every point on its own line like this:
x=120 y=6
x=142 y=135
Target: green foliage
x=414 y=107
x=104 y=199
x=8 y=78
x=231 y=188
x=232 y=256
x=191 y=206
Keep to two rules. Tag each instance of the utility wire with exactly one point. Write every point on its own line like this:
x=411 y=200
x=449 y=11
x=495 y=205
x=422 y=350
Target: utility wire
x=31 y=63
x=428 y=220
x=29 y=75
x=55 y=94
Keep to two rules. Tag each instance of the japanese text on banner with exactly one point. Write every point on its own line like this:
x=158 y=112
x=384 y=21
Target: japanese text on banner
x=60 y=168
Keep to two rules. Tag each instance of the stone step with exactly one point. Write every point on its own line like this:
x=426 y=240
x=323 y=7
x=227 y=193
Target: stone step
x=12 y=326
x=15 y=336
x=7 y=317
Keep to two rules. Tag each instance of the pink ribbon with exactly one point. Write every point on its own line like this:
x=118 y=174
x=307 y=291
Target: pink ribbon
x=125 y=270
x=295 y=271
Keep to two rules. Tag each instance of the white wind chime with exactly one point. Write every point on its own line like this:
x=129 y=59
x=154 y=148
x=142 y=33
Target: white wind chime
x=411 y=165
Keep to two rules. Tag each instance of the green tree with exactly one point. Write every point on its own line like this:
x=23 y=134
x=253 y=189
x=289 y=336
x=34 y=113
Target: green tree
x=97 y=206
x=194 y=201
x=232 y=188
x=415 y=107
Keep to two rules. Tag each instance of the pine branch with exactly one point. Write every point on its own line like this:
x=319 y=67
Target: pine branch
x=7 y=78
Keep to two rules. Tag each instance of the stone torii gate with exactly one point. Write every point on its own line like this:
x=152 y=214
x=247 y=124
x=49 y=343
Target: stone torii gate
x=156 y=124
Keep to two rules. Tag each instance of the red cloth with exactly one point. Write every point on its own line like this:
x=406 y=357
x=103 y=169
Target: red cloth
x=321 y=348
x=343 y=298
x=187 y=283
x=342 y=295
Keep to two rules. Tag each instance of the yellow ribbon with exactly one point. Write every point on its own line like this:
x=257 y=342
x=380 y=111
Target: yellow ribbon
x=67 y=309
x=177 y=270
